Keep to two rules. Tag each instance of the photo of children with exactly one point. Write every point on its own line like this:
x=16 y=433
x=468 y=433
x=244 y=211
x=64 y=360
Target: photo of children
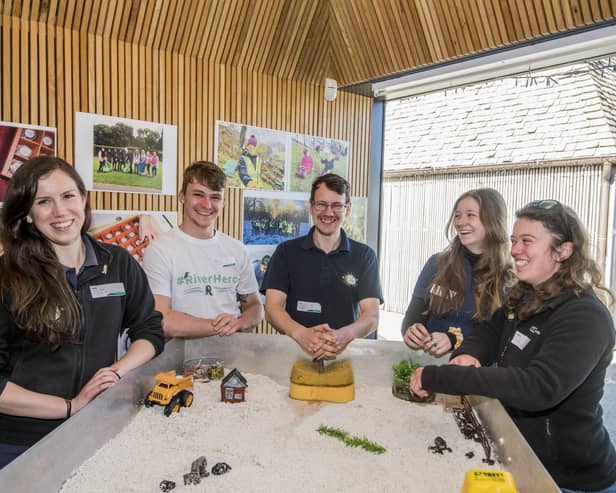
x=251 y=157
x=315 y=156
x=132 y=230
x=355 y=223
x=125 y=155
x=18 y=143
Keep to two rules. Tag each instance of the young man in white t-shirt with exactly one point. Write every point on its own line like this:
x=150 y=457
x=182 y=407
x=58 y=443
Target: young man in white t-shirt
x=203 y=281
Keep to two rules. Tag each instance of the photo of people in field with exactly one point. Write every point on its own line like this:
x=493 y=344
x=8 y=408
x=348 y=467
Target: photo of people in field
x=312 y=157
x=251 y=157
x=126 y=155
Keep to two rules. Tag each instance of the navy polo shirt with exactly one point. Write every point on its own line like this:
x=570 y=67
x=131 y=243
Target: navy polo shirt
x=320 y=287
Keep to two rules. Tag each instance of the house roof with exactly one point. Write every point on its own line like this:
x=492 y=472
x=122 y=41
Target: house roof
x=565 y=113
x=235 y=374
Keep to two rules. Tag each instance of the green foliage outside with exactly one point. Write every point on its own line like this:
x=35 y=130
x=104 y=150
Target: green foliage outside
x=352 y=441
x=127 y=179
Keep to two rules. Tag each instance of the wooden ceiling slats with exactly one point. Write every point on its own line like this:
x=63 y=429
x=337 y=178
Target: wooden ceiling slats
x=362 y=13
x=388 y=29
x=420 y=42
x=608 y=8
x=308 y=40
x=541 y=17
x=425 y=18
x=192 y=21
x=518 y=11
x=477 y=27
x=459 y=10
x=221 y=27
x=445 y=25
x=294 y=54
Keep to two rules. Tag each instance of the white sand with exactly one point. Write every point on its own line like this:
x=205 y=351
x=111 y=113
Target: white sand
x=272 y=445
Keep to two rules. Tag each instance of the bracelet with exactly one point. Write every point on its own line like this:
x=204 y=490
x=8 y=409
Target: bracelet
x=117 y=374
x=68 y=408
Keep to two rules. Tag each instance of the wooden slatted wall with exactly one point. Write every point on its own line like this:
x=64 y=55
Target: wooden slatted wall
x=49 y=73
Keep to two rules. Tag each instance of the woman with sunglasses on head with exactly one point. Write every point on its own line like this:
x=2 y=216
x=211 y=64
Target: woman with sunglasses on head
x=64 y=300
x=464 y=283
x=544 y=354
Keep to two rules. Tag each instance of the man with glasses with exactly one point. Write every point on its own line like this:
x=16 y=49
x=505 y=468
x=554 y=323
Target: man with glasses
x=203 y=281
x=323 y=289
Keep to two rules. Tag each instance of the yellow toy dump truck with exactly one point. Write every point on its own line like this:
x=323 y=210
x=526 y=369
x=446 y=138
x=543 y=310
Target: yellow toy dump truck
x=171 y=392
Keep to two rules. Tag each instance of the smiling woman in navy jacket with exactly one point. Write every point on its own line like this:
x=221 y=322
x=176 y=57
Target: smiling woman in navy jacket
x=64 y=300
x=544 y=355
x=464 y=283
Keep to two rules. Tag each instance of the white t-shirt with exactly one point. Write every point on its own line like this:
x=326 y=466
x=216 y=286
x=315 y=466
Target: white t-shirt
x=202 y=277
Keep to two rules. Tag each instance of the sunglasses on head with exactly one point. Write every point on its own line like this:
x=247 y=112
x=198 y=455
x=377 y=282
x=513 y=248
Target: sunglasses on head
x=545 y=204
x=549 y=204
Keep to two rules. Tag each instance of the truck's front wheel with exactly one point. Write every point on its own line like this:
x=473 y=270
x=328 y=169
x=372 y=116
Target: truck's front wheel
x=173 y=406
x=147 y=402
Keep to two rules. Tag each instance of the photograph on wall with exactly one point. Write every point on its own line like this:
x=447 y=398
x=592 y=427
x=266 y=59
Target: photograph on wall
x=355 y=223
x=132 y=230
x=251 y=157
x=18 y=143
x=123 y=155
x=271 y=218
x=315 y=156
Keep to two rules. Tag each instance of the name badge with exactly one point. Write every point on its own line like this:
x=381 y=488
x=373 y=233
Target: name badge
x=308 y=306
x=520 y=340
x=108 y=290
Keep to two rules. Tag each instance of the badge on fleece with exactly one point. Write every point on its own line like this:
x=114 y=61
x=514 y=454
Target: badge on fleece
x=108 y=290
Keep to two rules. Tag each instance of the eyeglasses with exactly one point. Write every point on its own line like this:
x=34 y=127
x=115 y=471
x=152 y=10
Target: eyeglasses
x=336 y=206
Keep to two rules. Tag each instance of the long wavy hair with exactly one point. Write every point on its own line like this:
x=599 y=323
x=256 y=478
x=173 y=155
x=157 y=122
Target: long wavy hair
x=575 y=274
x=33 y=284
x=492 y=271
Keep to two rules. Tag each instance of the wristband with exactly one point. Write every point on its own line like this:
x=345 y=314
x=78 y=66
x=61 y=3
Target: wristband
x=68 y=408
x=117 y=374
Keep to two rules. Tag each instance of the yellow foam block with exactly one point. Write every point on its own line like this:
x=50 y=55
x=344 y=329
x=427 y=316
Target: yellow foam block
x=488 y=481
x=335 y=384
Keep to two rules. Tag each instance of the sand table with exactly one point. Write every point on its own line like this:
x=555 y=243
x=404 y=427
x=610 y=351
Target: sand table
x=271 y=443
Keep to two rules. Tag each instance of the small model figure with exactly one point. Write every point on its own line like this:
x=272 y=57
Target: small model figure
x=440 y=446
x=204 y=370
x=166 y=485
x=233 y=387
x=171 y=392
x=220 y=468
x=198 y=470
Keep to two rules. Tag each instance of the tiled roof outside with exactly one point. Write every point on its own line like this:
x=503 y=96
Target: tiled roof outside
x=565 y=113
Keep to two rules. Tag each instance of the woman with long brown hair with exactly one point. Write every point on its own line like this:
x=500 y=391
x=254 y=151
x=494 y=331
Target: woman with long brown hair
x=64 y=300
x=464 y=283
x=545 y=353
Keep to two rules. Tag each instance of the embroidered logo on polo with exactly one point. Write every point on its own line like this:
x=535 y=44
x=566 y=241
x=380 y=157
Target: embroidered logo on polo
x=206 y=284
x=350 y=280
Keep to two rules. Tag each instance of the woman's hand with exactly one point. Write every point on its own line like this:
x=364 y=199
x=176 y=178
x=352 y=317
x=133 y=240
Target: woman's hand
x=102 y=380
x=438 y=345
x=415 y=386
x=465 y=360
x=416 y=336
